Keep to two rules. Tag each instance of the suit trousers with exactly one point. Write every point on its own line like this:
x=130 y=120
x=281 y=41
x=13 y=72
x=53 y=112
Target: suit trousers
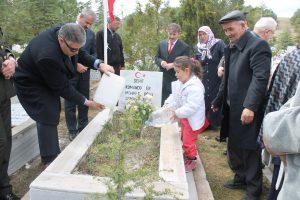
x=48 y=142
x=246 y=164
x=166 y=87
x=77 y=123
x=5 y=145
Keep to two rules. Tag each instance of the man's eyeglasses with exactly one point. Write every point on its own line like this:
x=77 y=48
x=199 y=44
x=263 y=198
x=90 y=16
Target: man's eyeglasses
x=71 y=48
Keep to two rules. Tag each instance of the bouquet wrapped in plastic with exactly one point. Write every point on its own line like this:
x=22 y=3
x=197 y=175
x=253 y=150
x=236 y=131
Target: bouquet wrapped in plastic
x=162 y=116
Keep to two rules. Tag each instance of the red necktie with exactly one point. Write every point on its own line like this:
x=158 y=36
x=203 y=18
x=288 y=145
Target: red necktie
x=171 y=44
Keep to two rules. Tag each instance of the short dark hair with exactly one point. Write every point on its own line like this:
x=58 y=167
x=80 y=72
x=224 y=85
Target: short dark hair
x=116 y=18
x=174 y=27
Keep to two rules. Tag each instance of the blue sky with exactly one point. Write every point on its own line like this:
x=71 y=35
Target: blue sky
x=281 y=8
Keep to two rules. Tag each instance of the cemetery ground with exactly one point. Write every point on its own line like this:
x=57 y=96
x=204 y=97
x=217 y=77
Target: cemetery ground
x=217 y=170
x=211 y=153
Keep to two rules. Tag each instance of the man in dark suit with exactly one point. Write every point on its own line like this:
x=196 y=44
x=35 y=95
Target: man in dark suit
x=81 y=81
x=115 y=55
x=241 y=94
x=167 y=51
x=43 y=77
x=7 y=64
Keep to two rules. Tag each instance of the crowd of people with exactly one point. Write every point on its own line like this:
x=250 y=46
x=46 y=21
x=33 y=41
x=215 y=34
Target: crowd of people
x=217 y=86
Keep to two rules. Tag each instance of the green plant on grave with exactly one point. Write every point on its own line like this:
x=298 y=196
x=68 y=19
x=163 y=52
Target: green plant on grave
x=137 y=112
x=129 y=161
x=119 y=140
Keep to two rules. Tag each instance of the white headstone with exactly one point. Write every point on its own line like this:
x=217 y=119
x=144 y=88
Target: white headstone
x=95 y=75
x=141 y=83
x=18 y=114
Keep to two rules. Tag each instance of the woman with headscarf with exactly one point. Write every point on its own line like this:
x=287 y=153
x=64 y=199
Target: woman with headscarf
x=209 y=51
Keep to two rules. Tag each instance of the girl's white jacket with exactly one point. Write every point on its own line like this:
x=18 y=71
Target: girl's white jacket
x=188 y=101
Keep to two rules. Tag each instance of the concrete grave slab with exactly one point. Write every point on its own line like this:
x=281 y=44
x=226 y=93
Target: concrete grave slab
x=58 y=183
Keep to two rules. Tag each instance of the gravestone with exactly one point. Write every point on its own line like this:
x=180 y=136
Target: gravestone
x=18 y=114
x=141 y=83
x=95 y=75
x=24 y=138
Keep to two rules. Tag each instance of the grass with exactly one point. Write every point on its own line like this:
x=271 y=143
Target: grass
x=139 y=151
x=217 y=169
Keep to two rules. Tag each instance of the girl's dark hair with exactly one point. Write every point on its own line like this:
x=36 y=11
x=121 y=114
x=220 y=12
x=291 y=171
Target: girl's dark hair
x=184 y=62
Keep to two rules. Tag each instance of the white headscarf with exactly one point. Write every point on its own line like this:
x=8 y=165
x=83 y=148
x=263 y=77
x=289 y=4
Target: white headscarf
x=204 y=48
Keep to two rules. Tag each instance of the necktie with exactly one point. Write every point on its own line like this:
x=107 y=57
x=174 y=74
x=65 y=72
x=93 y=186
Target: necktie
x=69 y=64
x=171 y=44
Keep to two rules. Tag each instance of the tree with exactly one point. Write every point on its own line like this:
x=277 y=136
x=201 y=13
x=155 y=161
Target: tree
x=255 y=13
x=29 y=18
x=142 y=32
x=295 y=20
x=196 y=13
x=285 y=39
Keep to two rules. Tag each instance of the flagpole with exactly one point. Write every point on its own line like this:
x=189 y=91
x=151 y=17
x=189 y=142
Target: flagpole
x=105 y=12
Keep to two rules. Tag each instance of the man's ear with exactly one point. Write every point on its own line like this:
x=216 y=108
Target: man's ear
x=245 y=24
x=60 y=40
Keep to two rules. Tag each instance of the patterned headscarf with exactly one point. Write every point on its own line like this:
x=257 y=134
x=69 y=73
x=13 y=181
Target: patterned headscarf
x=204 y=48
x=283 y=84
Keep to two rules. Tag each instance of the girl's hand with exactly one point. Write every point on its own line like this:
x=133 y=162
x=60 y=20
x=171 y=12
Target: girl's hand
x=213 y=108
x=174 y=117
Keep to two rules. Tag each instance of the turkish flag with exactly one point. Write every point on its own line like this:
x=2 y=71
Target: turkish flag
x=111 y=10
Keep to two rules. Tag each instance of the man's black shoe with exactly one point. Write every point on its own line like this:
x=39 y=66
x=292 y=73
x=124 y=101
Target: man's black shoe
x=234 y=185
x=247 y=197
x=72 y=137
x=218 y=139
x=10 y=196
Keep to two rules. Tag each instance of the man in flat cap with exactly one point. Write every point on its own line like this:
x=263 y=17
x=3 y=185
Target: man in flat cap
x=241 y=94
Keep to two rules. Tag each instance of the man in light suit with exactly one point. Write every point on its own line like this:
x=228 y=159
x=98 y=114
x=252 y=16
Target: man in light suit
x=167 y=51
x=81 y=81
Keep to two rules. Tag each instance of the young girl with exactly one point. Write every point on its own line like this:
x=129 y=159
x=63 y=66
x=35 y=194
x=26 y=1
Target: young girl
x=187 y=100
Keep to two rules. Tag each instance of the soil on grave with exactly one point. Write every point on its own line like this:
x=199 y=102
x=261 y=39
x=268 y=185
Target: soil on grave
x=217 y=170
x=141 y=152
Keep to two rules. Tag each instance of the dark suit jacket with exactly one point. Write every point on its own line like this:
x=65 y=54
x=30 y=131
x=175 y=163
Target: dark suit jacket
x=247 y=80
x=115 y=56
x=43 y=76
x=6 y=86
x=90 y=48
x=180 y=49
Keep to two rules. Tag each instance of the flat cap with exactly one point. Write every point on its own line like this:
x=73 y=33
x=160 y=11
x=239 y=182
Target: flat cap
x=235 y=15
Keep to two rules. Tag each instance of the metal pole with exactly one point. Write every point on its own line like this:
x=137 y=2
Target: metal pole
x=105 y=12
